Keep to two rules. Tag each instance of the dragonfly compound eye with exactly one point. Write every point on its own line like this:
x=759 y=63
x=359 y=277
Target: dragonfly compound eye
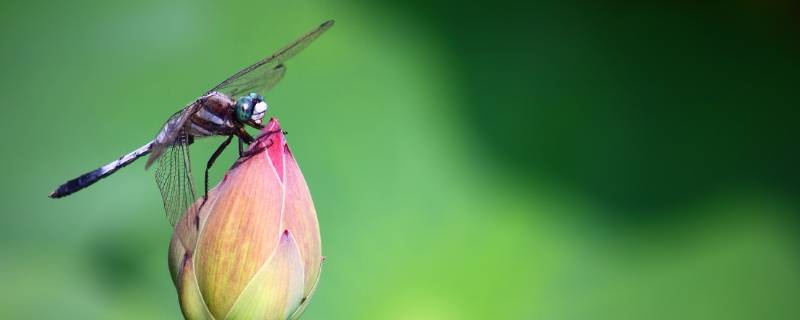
x=244 y=108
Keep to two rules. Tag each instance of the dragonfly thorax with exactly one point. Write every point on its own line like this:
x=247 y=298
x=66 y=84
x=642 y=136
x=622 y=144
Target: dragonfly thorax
x=251 y=108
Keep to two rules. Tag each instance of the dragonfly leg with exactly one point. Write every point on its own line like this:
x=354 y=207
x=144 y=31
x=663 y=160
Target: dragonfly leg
x=269 y=133
x=211 y=163
x=246 y=154
x=244 y=139
x=249 y=153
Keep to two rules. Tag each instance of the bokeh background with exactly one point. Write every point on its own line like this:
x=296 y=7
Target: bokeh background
x=468 y=160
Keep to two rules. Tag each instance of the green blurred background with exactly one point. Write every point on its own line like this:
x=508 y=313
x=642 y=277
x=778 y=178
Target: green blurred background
x=486 y=160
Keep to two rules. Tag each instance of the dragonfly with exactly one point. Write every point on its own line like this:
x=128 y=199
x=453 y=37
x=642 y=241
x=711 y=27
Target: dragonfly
x=218 y=112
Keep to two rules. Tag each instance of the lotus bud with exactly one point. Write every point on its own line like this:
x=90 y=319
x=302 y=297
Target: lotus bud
x=253 y=250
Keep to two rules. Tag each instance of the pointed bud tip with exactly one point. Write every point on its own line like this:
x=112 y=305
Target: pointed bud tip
x=271 y=136
x=273 y=125
x=273 y=140
x=286 y=237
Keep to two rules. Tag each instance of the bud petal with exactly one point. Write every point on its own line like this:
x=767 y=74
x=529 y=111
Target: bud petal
x=184 y=237
x=276 y=290
x=301 y=217
x=191 y=300
x=304 y=303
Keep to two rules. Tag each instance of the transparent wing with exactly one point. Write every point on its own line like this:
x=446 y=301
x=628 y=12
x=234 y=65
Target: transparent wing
x=259 y=81
x=169 y=133
x=174 y=178
x=266 y=73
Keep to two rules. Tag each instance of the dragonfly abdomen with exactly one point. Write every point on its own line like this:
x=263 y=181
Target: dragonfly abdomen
x=89 y=178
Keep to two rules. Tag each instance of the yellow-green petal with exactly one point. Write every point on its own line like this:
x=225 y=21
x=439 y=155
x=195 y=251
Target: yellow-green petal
x=192 y=304
x=304 y=302
x=276 y=291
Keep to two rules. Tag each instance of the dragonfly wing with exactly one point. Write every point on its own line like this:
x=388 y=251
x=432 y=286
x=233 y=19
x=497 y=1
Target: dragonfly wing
x=266 y=73
x=260 y=80
x=174 y=178
x=169 y=133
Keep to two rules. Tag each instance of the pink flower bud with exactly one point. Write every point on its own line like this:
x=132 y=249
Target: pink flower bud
x=253 y=250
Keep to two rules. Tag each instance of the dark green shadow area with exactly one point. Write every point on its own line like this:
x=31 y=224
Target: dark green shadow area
x=642 y=108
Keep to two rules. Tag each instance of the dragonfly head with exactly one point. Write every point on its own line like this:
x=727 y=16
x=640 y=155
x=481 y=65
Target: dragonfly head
x=250 y=109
